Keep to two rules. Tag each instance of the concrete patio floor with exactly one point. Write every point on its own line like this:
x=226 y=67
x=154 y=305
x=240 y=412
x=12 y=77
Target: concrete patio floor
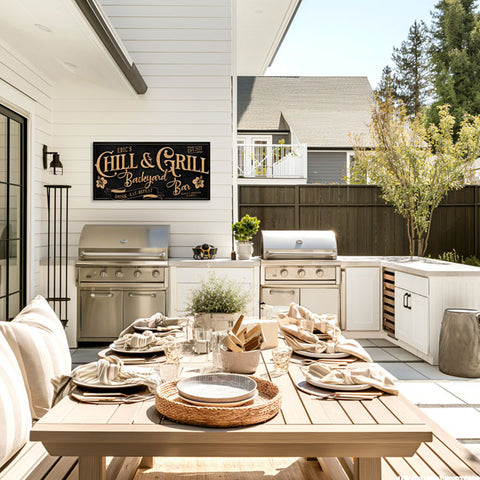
x=452 y=402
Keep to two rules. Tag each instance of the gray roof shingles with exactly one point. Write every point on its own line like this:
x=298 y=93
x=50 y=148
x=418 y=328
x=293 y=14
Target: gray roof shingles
x=321 y=111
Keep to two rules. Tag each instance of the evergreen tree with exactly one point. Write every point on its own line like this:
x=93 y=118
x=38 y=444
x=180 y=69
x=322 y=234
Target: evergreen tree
x=456 y=58
x=386 y=87
x=412 y=69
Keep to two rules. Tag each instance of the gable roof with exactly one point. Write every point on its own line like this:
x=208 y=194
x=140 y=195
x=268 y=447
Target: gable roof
x=321 y=111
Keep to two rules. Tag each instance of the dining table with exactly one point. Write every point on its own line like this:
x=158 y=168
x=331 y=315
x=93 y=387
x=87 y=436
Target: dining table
x=306 y=426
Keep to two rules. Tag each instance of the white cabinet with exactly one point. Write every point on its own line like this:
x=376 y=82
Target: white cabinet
x=182 y=280
x=362 y=298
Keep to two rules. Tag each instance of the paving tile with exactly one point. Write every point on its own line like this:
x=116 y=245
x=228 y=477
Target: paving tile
x=380 y=355
x=364 y=342
x=433 y=373
x=402 y=371
x=459 y=422
x=469 y=392
x=427 y=392
x=401 y=354
x=85 y=355
x=381 y=342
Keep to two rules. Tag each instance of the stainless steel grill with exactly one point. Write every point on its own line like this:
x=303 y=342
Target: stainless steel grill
x=121 y=275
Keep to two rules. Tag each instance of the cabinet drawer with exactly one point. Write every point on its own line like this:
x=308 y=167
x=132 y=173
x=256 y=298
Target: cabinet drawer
x=196 y=275
x=412 y=283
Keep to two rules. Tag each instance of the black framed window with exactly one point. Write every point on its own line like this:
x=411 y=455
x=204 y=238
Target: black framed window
x=12 y=213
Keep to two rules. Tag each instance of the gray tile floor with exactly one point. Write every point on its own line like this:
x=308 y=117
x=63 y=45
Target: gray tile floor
x=452 y=402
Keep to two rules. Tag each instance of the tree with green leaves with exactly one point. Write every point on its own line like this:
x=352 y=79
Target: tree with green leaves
x=412 y=74
x=456 y=58
x=415 y=165
x=386 y=88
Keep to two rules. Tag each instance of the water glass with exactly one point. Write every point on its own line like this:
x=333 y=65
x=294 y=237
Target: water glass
x=281 y=358
x=173 y=352
x=169 y=372
x=217 y=342
x=307 y=325
x=202 y=340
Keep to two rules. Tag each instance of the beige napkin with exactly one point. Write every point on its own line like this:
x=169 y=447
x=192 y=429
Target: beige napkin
x=303 y=341
x=144 y=342
x=155 y=321
x=355 y=374
x=323 y=323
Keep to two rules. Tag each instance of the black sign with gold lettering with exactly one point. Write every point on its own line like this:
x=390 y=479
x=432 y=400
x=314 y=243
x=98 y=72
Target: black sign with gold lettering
x=151 y=171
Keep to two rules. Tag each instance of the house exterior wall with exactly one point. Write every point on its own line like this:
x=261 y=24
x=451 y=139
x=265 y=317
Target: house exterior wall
x=327 y=167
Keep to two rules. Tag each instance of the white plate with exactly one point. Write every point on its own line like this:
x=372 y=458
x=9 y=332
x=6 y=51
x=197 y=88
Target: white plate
x=101 y=386
x=322 y=355
x=159 y=330
x=220 y=404
x=136 y=352
x=336 y=386
x=217 y=387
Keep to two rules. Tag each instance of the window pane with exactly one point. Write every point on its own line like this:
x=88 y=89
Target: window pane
x=14 y=266
x=15 y=211
x=3 y=211
x=13 y=306
x=3 y=307
x=3 y=148
x=15 y=152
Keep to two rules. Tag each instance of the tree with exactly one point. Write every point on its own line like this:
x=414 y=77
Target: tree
x=412 y=75
x=415 y=165
x=456 y=58
x=386 y=87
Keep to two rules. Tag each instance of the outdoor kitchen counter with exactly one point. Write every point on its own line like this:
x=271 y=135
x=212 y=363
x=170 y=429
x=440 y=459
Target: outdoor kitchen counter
x=215 y=263
x=424 y=267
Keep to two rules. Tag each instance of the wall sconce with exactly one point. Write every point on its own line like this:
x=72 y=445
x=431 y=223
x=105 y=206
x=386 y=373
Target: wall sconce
x=55 y=167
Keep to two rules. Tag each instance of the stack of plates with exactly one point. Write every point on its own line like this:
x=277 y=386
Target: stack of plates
x=217 y=390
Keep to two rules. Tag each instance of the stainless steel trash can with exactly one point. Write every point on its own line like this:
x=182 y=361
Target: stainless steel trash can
x=459 y=352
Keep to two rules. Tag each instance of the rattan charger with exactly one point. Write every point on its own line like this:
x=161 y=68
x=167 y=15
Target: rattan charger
x=262 y=408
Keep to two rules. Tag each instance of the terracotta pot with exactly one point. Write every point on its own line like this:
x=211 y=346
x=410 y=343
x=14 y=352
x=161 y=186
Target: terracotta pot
x=244 y=250
x=240 y=362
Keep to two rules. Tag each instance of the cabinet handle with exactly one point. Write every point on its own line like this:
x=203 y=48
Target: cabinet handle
x=282 y=291
x=405 y=300
x=100 y=295
x=408 y=303
x=142 y=295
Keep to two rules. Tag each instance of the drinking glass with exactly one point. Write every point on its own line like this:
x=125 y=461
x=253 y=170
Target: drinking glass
x=307 y=325
x=173 y=352
x=281 y=358
x=202 y=340
x=169 y=372
x=217 y=342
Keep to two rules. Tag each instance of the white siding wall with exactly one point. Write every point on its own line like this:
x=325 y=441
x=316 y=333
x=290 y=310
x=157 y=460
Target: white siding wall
x=26 y=91
x=184 y=51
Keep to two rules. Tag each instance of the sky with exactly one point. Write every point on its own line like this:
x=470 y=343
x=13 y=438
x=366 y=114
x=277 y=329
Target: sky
x=347 y=37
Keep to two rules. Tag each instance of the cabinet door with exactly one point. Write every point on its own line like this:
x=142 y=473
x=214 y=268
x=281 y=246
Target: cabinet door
x=403 y=316
x=142 y=303
x=420 y=325
x=362 y=299
x=321 y=300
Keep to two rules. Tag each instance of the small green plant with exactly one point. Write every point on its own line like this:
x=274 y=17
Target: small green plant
x=454 y=257
x=246 y=228
x=217 y=295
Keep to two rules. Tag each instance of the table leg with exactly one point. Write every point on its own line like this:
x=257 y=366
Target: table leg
x=92 y=468
x=368 y=468
x=147 y=462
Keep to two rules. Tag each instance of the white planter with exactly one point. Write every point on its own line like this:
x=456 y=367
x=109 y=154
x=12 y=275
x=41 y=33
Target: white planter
x=244 y=250
x=216 y=321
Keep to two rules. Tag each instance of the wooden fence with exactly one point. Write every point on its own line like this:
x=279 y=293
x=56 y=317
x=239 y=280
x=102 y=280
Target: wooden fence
x=363 y=222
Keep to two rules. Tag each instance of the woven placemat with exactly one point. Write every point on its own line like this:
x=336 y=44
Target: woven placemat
x=262 y=408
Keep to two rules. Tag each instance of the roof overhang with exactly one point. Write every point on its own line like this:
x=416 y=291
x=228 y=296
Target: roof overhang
x=261 y=27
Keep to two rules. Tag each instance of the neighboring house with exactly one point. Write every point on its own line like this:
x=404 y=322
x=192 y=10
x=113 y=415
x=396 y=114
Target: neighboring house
x=298 y=129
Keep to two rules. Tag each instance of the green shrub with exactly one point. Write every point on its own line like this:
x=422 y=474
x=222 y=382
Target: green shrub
x=454 y=257
x=246 y=228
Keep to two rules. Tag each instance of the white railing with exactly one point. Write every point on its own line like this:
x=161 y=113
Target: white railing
x=272 y=161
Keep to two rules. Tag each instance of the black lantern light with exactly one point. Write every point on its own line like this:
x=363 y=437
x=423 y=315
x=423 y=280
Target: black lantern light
x=55 y=167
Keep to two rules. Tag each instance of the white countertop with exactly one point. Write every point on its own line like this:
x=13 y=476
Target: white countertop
x=216 y=262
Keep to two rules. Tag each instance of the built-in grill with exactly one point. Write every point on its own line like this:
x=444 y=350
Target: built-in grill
x=300 y=266
x=121 y=275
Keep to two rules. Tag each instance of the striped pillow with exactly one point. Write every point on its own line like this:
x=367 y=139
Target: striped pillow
x=38 y=340
x=15 y=418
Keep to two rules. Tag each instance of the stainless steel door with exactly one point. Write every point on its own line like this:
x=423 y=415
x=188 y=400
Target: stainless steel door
x=280 y=296
x=142 y=303
x=101 y=312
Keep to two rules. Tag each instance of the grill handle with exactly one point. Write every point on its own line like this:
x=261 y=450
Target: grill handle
x=100 y=295
x=142 y=295
x=84 y=254
x=272 y=291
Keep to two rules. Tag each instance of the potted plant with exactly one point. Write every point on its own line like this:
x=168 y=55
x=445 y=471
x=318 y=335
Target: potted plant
x=217 y=303
x=243 y=232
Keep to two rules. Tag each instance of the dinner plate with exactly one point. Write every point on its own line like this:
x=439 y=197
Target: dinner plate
x=136 y=352
x=133 y=360
x=322 y=355
x=101 y=386
x=159 y=330
x=217 y=387
x=338 y=387
x=220 y=404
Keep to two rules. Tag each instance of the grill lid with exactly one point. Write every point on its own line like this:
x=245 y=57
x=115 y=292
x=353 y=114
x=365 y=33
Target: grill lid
x=299 y=244
x=146 y=242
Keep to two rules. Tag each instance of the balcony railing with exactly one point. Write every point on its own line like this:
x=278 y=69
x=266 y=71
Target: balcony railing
x=272 y=161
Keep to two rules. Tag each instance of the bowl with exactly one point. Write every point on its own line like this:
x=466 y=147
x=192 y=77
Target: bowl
x=240 y=362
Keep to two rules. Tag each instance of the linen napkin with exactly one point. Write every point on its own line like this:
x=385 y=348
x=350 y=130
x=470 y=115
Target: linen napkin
x=301 y=340
x=155 y=321
x=322 y=323
x=144 y=342
x=355 y=374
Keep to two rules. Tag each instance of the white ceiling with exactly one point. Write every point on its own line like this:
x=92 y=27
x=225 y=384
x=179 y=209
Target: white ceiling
x=261 y=25
x=56 y=39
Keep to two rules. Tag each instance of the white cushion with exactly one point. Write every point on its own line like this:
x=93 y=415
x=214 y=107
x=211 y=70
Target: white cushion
x=38 y=340
x=15 y=418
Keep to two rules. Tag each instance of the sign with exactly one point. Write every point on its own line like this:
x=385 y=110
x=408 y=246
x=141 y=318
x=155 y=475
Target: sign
x=151 y=171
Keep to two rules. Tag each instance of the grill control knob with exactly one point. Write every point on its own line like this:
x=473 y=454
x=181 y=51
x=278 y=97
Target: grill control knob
x=137 y=273
x=319 y=272
x=103 y=274
x=284 y=272
x=301 y=272
x=155 y=273
x=119 y=274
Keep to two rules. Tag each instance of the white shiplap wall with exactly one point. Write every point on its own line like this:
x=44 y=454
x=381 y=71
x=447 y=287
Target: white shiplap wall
x=183 y=49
